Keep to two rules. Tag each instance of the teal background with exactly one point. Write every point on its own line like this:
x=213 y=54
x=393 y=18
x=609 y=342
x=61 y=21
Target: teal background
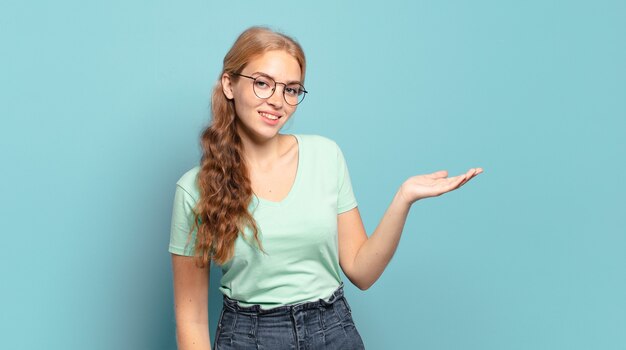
x=102 y=103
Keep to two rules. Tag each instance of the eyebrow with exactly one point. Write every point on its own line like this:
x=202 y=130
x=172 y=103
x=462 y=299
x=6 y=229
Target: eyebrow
x=269 y=76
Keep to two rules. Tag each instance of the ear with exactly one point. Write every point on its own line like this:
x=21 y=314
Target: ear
x=227 y=87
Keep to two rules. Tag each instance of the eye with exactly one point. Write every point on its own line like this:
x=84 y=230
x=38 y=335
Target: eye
x=293 y=90
x=262 y=83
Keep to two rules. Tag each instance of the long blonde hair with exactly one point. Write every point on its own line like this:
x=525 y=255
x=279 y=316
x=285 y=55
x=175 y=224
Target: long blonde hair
x=223 y=180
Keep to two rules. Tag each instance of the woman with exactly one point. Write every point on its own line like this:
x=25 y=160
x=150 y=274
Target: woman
x=278 y=213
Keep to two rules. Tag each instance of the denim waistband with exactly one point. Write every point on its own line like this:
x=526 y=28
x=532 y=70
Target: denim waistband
x=286 y=309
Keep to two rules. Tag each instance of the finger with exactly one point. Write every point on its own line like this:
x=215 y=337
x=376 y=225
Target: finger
x=474 y=172
x=467 y=178
x=457 y=181
x=470 y=174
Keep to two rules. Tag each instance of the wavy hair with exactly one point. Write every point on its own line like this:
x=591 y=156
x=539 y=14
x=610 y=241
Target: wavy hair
x=221 y=213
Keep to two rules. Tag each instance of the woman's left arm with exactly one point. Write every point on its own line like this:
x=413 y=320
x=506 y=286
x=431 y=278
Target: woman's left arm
x=364 y=259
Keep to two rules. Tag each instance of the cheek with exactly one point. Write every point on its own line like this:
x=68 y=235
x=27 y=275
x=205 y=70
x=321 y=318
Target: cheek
x=290 y=112
x=244 y=103
x=242 y=110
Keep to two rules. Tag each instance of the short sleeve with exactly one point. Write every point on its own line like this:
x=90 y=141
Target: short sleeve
x=346 y=199
x=181 y=242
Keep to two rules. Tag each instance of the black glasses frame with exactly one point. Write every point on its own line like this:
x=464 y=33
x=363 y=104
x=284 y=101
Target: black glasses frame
x=304 y=92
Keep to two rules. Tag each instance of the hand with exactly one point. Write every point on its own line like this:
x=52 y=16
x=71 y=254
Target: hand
x=433 y=185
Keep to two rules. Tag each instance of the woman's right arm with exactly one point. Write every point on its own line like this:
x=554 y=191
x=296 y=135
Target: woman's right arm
x=191 y=293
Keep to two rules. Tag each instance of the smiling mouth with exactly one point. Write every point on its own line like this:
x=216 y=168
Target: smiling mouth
x=270 y=116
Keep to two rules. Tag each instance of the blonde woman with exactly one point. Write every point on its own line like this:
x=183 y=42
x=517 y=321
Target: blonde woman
x=277 y=213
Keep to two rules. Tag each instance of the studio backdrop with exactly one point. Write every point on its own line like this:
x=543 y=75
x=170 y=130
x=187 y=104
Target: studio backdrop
x=101 y=108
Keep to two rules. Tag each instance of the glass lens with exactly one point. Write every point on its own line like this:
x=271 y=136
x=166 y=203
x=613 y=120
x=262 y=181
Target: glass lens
x=294 y=94
x=264 y=87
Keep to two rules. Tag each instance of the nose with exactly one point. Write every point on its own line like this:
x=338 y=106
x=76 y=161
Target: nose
x=277 y=99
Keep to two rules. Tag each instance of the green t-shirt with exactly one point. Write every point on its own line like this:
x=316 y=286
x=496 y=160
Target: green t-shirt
x=298 y=234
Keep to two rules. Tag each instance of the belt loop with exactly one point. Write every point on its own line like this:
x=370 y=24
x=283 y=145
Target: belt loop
x=235 y=315
x=294 y=324
x=339 y=291
x=253 y=327
x=322 y=316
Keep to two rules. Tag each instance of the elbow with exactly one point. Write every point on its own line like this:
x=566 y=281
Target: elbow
x=362 y=285
x=360 y=280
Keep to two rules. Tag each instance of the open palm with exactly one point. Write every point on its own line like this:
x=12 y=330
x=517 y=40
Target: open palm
x=435 y=184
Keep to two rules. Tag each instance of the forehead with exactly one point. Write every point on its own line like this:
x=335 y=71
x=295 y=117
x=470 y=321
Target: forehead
x=278 y=64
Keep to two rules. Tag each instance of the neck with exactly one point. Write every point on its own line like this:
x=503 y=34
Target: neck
x=262 y=154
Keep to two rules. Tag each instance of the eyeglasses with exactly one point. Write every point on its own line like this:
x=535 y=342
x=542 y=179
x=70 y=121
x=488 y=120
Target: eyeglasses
x=264 y=87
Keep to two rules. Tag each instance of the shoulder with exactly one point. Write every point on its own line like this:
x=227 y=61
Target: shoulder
x=189 y=182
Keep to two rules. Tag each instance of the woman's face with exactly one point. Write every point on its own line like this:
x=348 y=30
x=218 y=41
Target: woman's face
x=262 y=118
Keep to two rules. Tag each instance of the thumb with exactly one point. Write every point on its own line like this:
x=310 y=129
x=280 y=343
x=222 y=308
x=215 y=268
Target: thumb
x=439 y=174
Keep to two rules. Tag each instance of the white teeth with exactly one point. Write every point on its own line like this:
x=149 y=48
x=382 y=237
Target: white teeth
x=268 y=116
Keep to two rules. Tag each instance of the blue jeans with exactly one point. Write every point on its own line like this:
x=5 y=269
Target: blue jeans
x=311 y=325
